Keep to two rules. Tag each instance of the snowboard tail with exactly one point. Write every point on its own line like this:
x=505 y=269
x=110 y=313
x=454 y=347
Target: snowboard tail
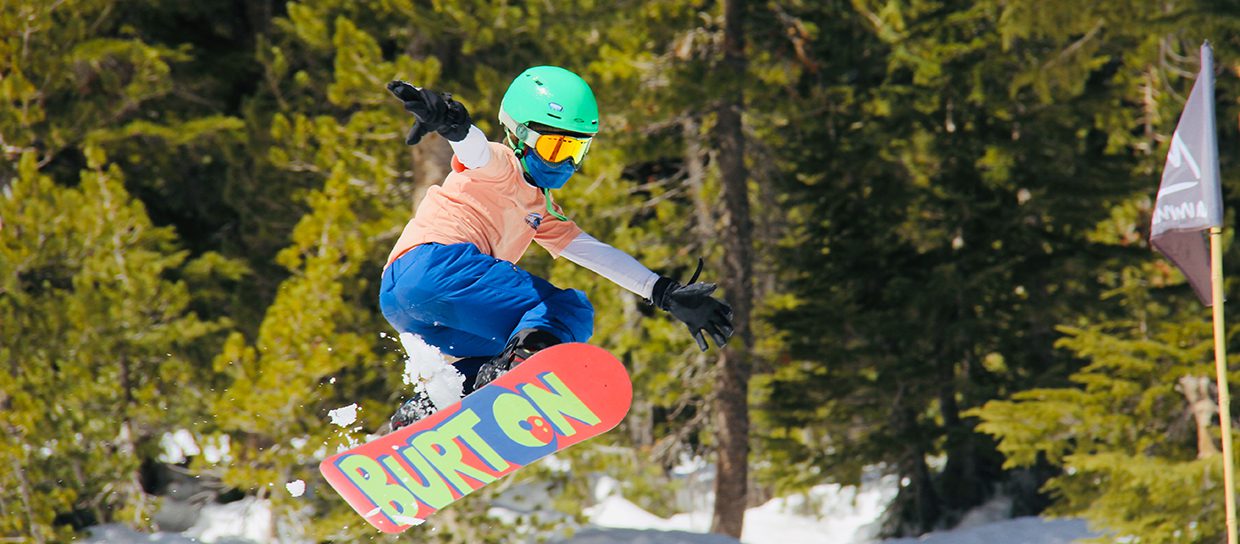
x=560 y=396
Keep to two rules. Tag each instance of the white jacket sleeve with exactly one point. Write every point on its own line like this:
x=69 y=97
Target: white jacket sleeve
x=611 y=263
x=474 y=151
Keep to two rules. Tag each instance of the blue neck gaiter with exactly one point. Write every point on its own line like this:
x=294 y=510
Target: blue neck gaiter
x=545 y=175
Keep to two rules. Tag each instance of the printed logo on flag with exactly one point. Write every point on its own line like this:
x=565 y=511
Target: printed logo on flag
x=1178 y=158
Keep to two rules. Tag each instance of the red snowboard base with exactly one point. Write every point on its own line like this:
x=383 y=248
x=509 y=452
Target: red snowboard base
x=562 y=395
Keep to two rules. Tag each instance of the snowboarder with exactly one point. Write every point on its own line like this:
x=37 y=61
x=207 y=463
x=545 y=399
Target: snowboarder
x=452 y=280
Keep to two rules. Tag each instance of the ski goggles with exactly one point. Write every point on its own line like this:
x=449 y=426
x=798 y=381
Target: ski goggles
x=553 y=148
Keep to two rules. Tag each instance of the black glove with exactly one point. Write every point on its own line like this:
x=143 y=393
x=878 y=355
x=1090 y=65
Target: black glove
x=693 y=305
x=432 y=111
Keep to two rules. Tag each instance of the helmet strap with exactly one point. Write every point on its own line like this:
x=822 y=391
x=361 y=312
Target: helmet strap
x=518 y=149
x=513 y=142
x=551 y=210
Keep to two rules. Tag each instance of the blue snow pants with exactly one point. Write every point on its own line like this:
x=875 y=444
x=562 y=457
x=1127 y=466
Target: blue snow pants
x=469 y=304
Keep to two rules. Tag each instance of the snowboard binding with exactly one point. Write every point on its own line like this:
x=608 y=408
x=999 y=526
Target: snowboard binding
x=524 y=344
x=417 y=407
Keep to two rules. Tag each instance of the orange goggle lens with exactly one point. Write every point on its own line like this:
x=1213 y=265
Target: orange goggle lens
x=555 y=148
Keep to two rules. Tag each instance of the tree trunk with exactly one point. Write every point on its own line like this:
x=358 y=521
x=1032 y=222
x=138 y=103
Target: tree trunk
x=917 y=506
x=432 y=160
x=27 y=502
x=732 y=394
x=704 y=226
x=963 y=483
x=127 y=448
x=1197 y=390
x=640 y=421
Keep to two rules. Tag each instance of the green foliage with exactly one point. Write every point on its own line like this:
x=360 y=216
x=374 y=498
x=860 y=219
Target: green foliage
x=70 y=70
x=198 y=199
x=973 y=151
x=95 y=339
x=275 y=408
x=1121 y=427
x=1123 y=430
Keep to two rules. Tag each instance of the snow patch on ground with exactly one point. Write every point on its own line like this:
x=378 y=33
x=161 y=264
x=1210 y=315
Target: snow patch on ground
x=996 y=509
x=617 y=512
x=248 y=518
x=178 y=446
x=636 y=536
x=115 y=533
x=1027 y=530
x=245 y=521
x=826 y=513
x=428 y=370
x=217 y=450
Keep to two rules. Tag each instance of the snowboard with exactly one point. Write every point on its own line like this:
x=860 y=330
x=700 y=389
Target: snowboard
x=560 y=396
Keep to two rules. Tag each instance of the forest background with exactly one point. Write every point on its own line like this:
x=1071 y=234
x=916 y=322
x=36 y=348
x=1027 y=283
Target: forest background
x=931 y=216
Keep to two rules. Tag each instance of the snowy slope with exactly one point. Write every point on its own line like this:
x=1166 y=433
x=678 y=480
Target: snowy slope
x=828 y=514
x=1028 y=530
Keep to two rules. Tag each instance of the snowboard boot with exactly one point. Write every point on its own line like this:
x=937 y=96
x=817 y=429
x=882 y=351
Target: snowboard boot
x=520 y=347
x=417 y=407
x=420 y=405
x=469 y=367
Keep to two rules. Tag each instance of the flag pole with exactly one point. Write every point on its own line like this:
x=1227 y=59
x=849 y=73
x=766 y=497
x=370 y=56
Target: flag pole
x=1220 y=367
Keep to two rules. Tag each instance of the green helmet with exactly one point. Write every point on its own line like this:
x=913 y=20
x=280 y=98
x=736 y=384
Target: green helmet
x=552 y=96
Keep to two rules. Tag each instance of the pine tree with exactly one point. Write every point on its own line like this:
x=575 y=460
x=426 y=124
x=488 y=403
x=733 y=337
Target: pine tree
x=98 y=327
x=95 y=342
x=947 y=234
x=928 y=181
x=1129 y=424
x=319 y=346
x=1123 y=431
